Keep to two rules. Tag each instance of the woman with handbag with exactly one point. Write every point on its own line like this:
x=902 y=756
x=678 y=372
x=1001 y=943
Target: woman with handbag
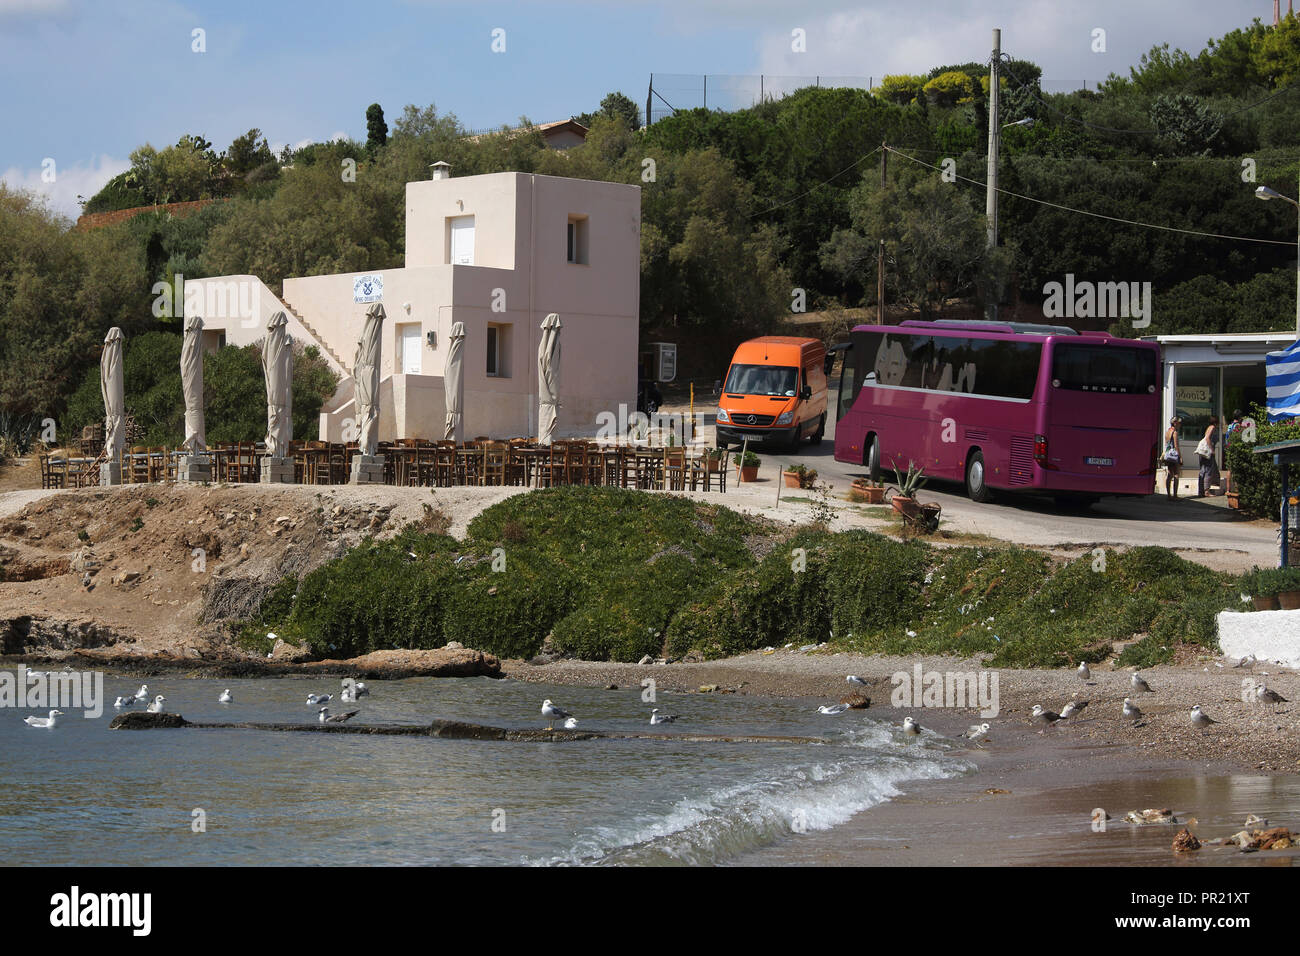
x=1173 y=460
x=1209 y=473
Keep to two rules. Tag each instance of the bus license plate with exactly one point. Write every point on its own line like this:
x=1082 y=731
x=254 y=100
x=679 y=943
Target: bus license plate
x=1099 y=461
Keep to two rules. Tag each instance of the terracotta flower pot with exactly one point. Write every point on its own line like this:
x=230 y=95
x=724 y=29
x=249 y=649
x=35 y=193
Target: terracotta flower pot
x=1268 y=603
x=1290 y=600
x=907 y=507
x=748 y=472
x=1234 y=500
x=791 y=478
x=874 y=495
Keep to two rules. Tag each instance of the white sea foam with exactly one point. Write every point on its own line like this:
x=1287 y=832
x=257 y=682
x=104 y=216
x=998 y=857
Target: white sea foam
x=824 y=789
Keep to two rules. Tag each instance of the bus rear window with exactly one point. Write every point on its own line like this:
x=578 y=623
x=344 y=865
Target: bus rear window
x=1103 y=368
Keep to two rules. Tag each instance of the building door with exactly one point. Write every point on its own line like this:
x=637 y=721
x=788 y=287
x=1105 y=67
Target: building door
x=462 y=241
x=411 y=349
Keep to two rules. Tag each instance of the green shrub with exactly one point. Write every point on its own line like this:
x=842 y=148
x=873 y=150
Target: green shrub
x=1258 y=481
x=874 y=583
x=507 y=614
x=375 y=597
x=1266 y=582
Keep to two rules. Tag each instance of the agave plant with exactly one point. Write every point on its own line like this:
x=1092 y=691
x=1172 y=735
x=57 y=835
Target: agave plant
x=909 y=484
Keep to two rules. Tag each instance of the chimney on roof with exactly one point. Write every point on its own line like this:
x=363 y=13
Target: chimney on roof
x=440 y=170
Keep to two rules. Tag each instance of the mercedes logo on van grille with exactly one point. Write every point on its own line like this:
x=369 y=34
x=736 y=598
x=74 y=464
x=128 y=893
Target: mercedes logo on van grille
x=751 y=419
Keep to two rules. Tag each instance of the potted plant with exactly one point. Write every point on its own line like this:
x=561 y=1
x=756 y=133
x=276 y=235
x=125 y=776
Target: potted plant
x=713 y=458
x=1281 y=584
x=1251 y=584
x=800 y=476
x=867 y=491
x=747 y=469
x=904 y=501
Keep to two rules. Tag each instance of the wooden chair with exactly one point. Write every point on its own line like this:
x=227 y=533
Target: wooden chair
x=674 y=469
x=240 y=462
x=496 y=460
x=444 y=464
x=156 y=463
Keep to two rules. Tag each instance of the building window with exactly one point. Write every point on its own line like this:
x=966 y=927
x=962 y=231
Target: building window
x=498 y=350
x=577 y=240
x=460 y=240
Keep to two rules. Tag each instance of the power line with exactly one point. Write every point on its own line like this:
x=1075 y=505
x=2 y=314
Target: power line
x=1096 y=215
x=857 y=162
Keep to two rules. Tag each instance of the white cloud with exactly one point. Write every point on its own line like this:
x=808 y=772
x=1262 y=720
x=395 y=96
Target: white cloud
x=69 y=181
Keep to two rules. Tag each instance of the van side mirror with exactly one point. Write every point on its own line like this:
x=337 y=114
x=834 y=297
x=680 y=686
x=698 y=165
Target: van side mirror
x=806 y=393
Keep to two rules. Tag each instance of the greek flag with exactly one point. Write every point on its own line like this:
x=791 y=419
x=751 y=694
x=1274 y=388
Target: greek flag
x=1282 y=381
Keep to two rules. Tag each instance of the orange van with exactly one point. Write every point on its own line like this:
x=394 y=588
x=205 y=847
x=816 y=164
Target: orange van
x=774 y=393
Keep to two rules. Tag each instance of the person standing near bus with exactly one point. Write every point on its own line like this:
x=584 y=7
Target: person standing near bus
x=1173 y=459
x=1209 y=473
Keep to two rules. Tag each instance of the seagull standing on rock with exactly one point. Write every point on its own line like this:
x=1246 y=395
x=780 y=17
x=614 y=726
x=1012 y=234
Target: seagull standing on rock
x=855 y=679
x=571 y=724
x=911 y=727
x=553 y=713
x=325 y=717
x=1083 y=672
x=142 y=695
x=46 y=722
x=156 y=706
x=1271 y=697
x=1139 y=685
x=1201 y=719
x=976 y=731
x=1131 y=711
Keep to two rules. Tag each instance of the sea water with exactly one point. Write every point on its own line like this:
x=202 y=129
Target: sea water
x=84 y=795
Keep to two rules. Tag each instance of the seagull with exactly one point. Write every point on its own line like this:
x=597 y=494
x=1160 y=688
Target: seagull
x=833 y=709
x=325 y=717
x=225 y=697
x=348 y=695
x=855 y=679
x=1139 y=685
x=571 y=723
x=658 y=718
x=1131 y=711
x=123 y=702
x=976 y=731
x=1083 y=672
x=1072 y=708
x=361 y=689
x=911 y=727
x=141 y=695
x=1271 y=697
x=47 y=722
x=319 y=698
x=1048 y=717
x=1201 y=719
x=156 y=706
x=553 y=713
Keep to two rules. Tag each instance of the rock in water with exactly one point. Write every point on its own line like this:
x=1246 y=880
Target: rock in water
x=138 y=720
x=856 y=701
x=1186 y=841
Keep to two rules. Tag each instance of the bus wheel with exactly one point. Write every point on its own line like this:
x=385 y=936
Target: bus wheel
x=976 y=487
x=821 y=430
x=873 y=459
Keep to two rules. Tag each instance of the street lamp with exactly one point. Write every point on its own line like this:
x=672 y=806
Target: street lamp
x=1264 y=192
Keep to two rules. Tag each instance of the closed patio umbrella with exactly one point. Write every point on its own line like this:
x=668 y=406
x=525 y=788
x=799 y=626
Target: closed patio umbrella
x=548 y=379
x=453 y=383
x=365 y=376
x=113 y=390
x=192 y=385
x=277 y=366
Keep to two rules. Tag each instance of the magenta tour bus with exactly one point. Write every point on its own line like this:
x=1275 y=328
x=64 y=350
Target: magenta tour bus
x=1002 y=405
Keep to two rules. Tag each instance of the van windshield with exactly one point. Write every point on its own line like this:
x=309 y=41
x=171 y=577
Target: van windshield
x=761 y=380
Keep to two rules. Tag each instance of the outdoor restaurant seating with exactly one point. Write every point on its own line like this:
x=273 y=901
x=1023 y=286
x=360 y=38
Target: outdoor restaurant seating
x=412 y=462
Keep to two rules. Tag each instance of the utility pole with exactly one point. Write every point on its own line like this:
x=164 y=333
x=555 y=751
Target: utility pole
x=991 y=196
x=880 y=254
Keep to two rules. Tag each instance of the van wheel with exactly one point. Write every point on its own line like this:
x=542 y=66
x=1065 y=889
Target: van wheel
x=977 y=488
x=873 y=459
x=821 y=430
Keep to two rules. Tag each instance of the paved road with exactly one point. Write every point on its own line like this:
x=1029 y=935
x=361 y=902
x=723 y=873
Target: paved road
x=1203 y=525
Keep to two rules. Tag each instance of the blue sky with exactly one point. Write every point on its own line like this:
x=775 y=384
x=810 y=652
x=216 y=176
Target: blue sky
x=87 y=81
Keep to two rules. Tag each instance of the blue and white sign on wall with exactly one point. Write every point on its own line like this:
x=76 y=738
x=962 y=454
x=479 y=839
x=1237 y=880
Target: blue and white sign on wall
x=368 y=288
